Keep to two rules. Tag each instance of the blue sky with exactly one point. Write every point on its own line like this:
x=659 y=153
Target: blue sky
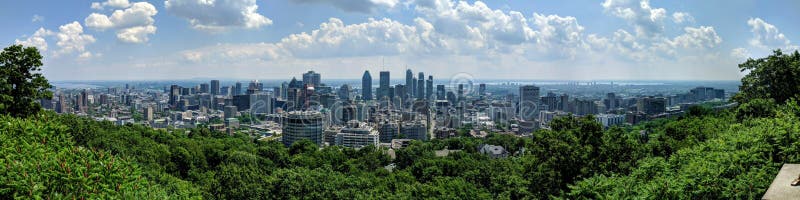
x=515 y=39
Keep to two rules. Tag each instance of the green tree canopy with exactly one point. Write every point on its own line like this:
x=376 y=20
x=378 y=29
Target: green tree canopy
x=774 y=77
x=20 y=83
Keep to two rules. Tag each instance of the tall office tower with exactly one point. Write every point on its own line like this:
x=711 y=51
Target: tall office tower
x=366 y=86
x=563 y=103
x=409 y=84
x=440 y=93
x=254 y=87
x=528 y=102
x=61 y=105
x=413 y=88
x=400 y=91
x=204 y=88
x=482 y=89
x=294 y=95
x=421 y=86
x=148 y=113
x=383 y=86
x=460 y=91
x=344 y=92
x=215 y=87
x=284 y=90
x=174 y=94
x=260 y=103
x=429 y=88
x=237 y=89
x=611 y=101
x=312 y=78
x=298 y=125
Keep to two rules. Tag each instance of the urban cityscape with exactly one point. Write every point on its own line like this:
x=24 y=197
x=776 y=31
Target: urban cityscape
x=358 y=115
x=399 y=99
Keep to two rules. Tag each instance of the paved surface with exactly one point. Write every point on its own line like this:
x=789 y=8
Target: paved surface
x=780 y=187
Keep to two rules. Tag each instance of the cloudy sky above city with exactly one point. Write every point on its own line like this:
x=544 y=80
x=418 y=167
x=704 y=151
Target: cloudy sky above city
x=509 y=39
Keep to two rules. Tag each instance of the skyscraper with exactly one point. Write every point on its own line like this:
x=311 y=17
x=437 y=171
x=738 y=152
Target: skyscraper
x=312 y=78
x=214 y=87
x=528 y=102
x=366 y=86
x=383 y=86
x=204 y=88
x=344 y=92
x=409 y=83
x=482 y=89
x=421 y=86
x=429 y=88
x=440 y=93
x=237 y=89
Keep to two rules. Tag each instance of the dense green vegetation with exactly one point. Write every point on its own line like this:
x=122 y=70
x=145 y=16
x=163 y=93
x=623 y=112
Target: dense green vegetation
x=705 y=154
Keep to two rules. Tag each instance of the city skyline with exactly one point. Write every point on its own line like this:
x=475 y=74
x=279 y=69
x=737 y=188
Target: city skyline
x=520 y=40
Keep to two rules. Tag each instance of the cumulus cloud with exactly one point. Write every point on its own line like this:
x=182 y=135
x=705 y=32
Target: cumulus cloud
x=37 y=39
x=110 y=3
x=218 y=15
x=647 y=21
x=767 y=36
x=700 y=37
x=682 y=17
x=70 y=38
x=361 y=6
x=133 y=24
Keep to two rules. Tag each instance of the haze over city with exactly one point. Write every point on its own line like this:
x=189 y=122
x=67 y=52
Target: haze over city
x=543 y=40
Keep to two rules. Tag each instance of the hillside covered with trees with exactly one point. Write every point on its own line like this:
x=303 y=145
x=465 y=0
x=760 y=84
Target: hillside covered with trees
x=705 y=154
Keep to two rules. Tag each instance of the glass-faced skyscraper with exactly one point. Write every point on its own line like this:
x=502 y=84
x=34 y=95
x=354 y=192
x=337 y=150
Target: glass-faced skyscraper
x=214 y=87
x=409 y=83
x=383 y=86
x=312 y=78
x=366 y=86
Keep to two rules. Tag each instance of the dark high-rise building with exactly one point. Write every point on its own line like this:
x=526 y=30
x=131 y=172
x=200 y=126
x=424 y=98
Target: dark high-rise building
x=482 y=89
x=312 y=78
x=413 y=88
x=383 y=86
x=400 y=91
x=409 y=83
x=174 y=94
x=611 y=101
x=237 y=89
x=429 y=88
x=366 y=86
x=421 y=86
x=344 y=92
x=254 y=87
x=440 y=93
x=215 y=87
x=528 y=102
x=204 y=88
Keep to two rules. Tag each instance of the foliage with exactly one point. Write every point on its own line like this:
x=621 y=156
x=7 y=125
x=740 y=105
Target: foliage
x=21 y=86
x=775 y=77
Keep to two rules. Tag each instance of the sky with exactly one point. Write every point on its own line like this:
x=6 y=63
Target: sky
x=502 y=39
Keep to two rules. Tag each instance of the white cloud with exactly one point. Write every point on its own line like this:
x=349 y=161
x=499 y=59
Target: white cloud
x=37 y=18
x=361 y=6
x=110 y=3
x=136 y=34
x=37 y=39
x=218 y=15
x=134 y=24
x=71 y=38
x=701 y=37
x=682 y=17
x=740 y=53
x=647 y=21
x=767 y=36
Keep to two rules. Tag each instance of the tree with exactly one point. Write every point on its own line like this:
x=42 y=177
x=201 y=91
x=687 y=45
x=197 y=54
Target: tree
x=20 y=83
x=775 y=77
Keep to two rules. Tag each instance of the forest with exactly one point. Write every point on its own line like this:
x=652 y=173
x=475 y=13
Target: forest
x=704 y=154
